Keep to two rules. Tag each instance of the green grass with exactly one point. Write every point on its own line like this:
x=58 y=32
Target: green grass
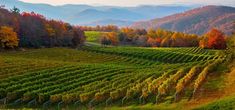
x=227 y=103
x=94 y=76
x=93 y=36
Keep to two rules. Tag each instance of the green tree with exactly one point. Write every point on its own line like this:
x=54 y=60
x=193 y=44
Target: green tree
x=15 y=10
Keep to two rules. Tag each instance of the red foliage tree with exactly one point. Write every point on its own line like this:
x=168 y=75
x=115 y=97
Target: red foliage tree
x=216 y=39
x=34 y=30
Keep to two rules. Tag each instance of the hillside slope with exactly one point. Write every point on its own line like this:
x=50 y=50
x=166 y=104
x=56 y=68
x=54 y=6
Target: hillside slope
x=197 y=21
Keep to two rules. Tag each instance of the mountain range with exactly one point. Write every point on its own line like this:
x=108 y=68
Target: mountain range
x=193 y=19
x=196 y=21
x=97 y=15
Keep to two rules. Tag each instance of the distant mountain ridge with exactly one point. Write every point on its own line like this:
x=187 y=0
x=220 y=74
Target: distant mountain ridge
x=120 y=23
x=196 y=21
x=86 y=15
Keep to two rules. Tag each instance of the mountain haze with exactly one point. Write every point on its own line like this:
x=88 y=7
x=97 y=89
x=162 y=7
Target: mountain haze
x=197 y=21
x=86 y=15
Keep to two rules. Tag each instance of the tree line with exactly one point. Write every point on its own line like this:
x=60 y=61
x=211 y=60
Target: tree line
x=34 y=30
x=214 y=39
x=108 y=28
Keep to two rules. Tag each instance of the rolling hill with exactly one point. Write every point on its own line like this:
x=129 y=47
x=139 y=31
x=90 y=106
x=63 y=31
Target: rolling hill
x=86 y=15
x=196 y=21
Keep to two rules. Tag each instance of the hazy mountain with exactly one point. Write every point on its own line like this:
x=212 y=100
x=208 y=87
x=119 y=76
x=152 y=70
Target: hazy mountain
x=159 y=11
x=197 y=21
x=92 y=15
x=85 y=14
x=120 y=23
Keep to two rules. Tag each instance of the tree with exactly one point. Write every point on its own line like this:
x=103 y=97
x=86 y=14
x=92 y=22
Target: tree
x=121 y=36
x=216 y=39
x=151 y=33
x=177 y=39
x=15 y=10
x=104 y=40
x=141 y=40
x=160 y=33
x=129 y=33
x=109 y=38
x=78 y=37
x=113 y=37
x=8 y=38
x=166 y=42
x=151 y=42
x=203 y=43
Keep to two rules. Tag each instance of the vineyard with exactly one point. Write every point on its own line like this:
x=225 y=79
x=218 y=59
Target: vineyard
x=98 y=76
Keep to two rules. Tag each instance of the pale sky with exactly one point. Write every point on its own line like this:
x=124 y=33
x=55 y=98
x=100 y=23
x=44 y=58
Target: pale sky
x=134 y=2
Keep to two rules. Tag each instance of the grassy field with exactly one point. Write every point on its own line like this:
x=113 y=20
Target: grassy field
x=96 y=77
x=227 y=103
x=93 y=36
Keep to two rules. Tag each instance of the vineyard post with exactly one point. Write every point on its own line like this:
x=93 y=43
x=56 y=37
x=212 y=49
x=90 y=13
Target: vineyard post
x=90 y=103
x=107 y=101
x=59 y=104
x=46 y=104
x=77 y=102
x=140 y=99
x=158 y=98
x=32 y=101
x=123 y=100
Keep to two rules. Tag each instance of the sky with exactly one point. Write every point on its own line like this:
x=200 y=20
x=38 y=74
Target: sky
x=135 y=2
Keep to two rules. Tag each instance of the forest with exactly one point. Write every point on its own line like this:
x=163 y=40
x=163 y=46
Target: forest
x=35 y=31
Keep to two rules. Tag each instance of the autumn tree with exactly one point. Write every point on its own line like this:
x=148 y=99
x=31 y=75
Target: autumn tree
x=160 y=33
x=35 y=31
x=216 y=39
x=129 y=34
x=203 y=43
x=113 y=37
x=141 y=40
x=78 y=37
x=177 y=39
x=104 y=40
x=166 y=42
x=151 y=33
x=8 y=38
x=109 y=38
x=151 y=42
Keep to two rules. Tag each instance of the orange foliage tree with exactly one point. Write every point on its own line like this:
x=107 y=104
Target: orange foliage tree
x=109 y=38
x=8 y=38
x=214 y=39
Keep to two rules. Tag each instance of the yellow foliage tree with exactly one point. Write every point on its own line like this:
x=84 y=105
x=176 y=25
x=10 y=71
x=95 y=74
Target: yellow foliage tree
x=8 y=38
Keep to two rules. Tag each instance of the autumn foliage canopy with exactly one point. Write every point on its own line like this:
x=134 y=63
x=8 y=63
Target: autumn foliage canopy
x=214 y=39
x=34 y=30
x=8 y=38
